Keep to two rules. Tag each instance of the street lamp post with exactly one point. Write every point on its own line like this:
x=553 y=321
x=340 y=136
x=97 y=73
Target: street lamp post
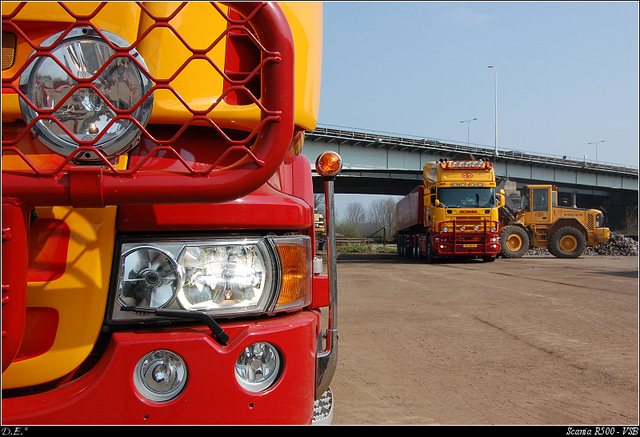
x=495 y=77
x=596 y=143
x=468 y=121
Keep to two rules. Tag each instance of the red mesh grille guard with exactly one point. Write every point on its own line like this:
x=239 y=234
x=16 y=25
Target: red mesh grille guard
x=262 y=151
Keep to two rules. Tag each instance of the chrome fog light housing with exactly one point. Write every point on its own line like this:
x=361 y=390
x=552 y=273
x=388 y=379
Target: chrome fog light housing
x=83 y=111
x=160 y=376
x=258 y=367
x=476 y=228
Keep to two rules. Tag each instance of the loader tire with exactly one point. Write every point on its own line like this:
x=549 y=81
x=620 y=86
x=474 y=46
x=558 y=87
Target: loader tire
x=514 y=241
x=567 y=242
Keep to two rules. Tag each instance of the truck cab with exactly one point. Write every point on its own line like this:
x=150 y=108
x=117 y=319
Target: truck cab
x=455 y=212
x=158 y=224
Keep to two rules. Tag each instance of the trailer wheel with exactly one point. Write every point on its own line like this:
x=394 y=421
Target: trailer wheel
x=514 y=241
x=567 y=242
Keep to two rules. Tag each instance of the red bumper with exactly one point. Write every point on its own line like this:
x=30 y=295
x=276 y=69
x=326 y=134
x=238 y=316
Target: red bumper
x=107 y=395
x=479 y=245
x=466 y=249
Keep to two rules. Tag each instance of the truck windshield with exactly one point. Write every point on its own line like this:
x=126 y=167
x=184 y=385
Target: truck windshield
x=464 y=197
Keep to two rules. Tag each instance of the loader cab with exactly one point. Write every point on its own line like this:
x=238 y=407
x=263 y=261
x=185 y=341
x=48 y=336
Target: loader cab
x=537 y=203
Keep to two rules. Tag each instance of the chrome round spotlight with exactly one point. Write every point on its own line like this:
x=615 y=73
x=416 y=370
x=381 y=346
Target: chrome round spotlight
x=83 y=112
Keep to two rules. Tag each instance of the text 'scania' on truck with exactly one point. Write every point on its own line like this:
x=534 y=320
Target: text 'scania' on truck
x=158 y=255
x=455 y=212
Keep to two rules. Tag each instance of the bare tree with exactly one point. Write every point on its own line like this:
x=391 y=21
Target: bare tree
x=354 y=219
x=318 y=203
x=632 y=219
x=382 y=213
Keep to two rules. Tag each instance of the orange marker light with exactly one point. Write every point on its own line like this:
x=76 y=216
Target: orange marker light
x=329 y=164
x=295 y=276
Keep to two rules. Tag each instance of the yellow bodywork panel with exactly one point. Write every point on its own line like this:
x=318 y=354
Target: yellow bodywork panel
x=79 y=296
x=435 y=175
x=120 y=18
x=198 y=84
x=305 y=20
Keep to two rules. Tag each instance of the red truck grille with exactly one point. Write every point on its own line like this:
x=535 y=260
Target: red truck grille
x=200 y=161
x=472 y=237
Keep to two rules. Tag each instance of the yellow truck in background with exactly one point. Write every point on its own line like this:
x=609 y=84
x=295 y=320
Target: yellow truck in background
x=455 y=212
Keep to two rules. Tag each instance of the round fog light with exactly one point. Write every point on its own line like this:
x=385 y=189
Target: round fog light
x=258 y=367
x=160 y=376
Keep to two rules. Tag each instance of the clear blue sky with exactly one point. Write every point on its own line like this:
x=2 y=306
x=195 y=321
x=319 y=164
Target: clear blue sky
x=567 y=73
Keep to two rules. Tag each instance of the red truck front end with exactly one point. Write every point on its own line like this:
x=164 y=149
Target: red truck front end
x=158 y=226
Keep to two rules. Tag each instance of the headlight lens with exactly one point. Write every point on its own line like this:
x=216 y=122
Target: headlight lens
x=223 y=277
x=83 y=112
x=150 y=278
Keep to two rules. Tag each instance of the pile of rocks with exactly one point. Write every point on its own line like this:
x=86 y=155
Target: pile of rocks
x=617 y=245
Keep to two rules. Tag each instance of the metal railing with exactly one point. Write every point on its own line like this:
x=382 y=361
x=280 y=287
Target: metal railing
x=419 y=143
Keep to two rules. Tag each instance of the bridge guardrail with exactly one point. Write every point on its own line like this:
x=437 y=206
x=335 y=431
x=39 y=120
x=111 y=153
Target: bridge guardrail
x=409 y=141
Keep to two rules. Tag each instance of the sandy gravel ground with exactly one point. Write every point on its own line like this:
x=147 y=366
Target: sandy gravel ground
x=536 y=340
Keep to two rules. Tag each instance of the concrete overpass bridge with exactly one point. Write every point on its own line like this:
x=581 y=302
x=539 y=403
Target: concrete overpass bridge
x=389 y=164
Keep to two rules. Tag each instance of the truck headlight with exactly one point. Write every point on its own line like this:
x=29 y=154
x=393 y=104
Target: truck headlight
x=83 y=112
x=224 y=277
x=150 y=278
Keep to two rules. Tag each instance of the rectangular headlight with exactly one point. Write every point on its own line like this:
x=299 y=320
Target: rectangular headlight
x=224 y=277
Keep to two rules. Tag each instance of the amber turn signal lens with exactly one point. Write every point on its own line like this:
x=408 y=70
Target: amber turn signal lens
x=294 y=273
x=329 y=164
